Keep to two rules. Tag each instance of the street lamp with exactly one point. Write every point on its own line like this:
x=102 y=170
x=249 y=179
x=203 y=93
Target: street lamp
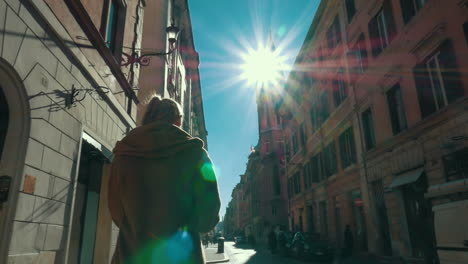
x=144 y=59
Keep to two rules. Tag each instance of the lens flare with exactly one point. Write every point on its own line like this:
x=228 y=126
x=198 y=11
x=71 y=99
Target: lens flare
x=263 y=66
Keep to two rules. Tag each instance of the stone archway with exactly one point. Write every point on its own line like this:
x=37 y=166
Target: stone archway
x=14 y=147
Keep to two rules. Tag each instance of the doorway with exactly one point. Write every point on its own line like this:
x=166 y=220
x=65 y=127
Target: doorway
x=4 y=121
x=323 y=219
x=14 y=135
x=382 y=218
x=420 y=219
x=310 y=219
x=87 y=200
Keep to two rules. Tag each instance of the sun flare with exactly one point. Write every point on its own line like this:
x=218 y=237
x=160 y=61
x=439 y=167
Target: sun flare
x=263 y=66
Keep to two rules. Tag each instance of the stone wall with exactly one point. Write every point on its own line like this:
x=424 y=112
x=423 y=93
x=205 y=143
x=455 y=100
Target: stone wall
x=48 y=70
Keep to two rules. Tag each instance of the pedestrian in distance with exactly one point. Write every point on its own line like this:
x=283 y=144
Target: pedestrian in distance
x=272 y=241
x=162 y=190
x=348 y=241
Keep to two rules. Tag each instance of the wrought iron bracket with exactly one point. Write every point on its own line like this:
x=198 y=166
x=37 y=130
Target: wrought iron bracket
x=144 y=59
x=77 y=95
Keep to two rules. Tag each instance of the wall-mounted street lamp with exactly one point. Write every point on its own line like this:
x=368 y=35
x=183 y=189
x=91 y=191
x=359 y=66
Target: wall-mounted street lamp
x=144 y=59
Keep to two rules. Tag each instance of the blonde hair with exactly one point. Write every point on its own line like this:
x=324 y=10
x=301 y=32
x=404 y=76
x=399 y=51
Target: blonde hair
x=165 y=110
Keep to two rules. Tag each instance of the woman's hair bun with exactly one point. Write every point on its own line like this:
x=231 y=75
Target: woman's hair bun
x=164 y=109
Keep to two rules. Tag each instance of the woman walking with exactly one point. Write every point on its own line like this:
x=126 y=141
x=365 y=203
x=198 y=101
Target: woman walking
x=162 y=191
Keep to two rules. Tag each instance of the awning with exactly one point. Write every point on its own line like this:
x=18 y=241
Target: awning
x=407 y=177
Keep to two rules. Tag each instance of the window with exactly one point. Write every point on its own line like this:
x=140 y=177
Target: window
x=290 y=190
x=465 y=30
x=112 y=25
x=307 y=175
x=334 y=34
x=347 y=148
x=114 y=29
x=273 y=210
x=276 y=181
x=382 y=29
x=396 y=109
x=315 y=168
x=358 y=55
x=368 y=127
x=340 y=90
x=294 y=143
x=438 y=80
x=314 y=117
x=456 y=165
x=297 y=182
x=409 y=8
x=303 y=134
x=329 y=154
x=324 y=107
x=287 y=151
x=350 y=9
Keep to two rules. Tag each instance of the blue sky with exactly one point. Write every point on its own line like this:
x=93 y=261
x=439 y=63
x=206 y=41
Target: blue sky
x=223 y=30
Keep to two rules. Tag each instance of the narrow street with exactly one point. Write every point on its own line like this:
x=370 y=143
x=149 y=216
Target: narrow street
x=246 y=255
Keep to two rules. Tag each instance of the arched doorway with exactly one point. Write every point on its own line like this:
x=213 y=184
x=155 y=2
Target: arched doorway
x=14 y=132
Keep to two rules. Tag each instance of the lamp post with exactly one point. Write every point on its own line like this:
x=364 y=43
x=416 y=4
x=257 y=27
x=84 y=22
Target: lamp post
x=144 y=59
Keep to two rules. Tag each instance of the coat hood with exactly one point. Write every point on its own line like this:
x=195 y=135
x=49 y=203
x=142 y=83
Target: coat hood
x=156 y=140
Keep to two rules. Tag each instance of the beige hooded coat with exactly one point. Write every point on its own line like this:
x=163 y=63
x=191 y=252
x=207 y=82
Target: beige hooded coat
x=162 y=193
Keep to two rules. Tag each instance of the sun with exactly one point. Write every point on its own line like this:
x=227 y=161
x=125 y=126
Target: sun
x=263 y=66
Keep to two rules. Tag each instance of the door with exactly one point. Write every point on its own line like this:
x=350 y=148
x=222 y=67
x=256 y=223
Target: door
x=338 y=227
x=420 y=220
x=359 y=219
x=323 y=220
x=310 y=219
x=382 y=218
x=84 y=243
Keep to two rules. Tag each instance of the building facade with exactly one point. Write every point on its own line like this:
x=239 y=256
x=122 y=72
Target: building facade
x=376 y=120
x=66 y=100
x=68 y=94
x=175 y=75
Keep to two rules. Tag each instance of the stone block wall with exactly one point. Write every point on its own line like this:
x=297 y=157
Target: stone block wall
x=47 y=72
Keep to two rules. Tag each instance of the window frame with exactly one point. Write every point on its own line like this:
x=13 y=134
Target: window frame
x=347 y=146
x=461 y=167
x=396 y=110
x=333 y=34
x=382 y=28
x=435 y=58
x=340 y=89
x=119 y=27
x=350 y=5
x=368 y=129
